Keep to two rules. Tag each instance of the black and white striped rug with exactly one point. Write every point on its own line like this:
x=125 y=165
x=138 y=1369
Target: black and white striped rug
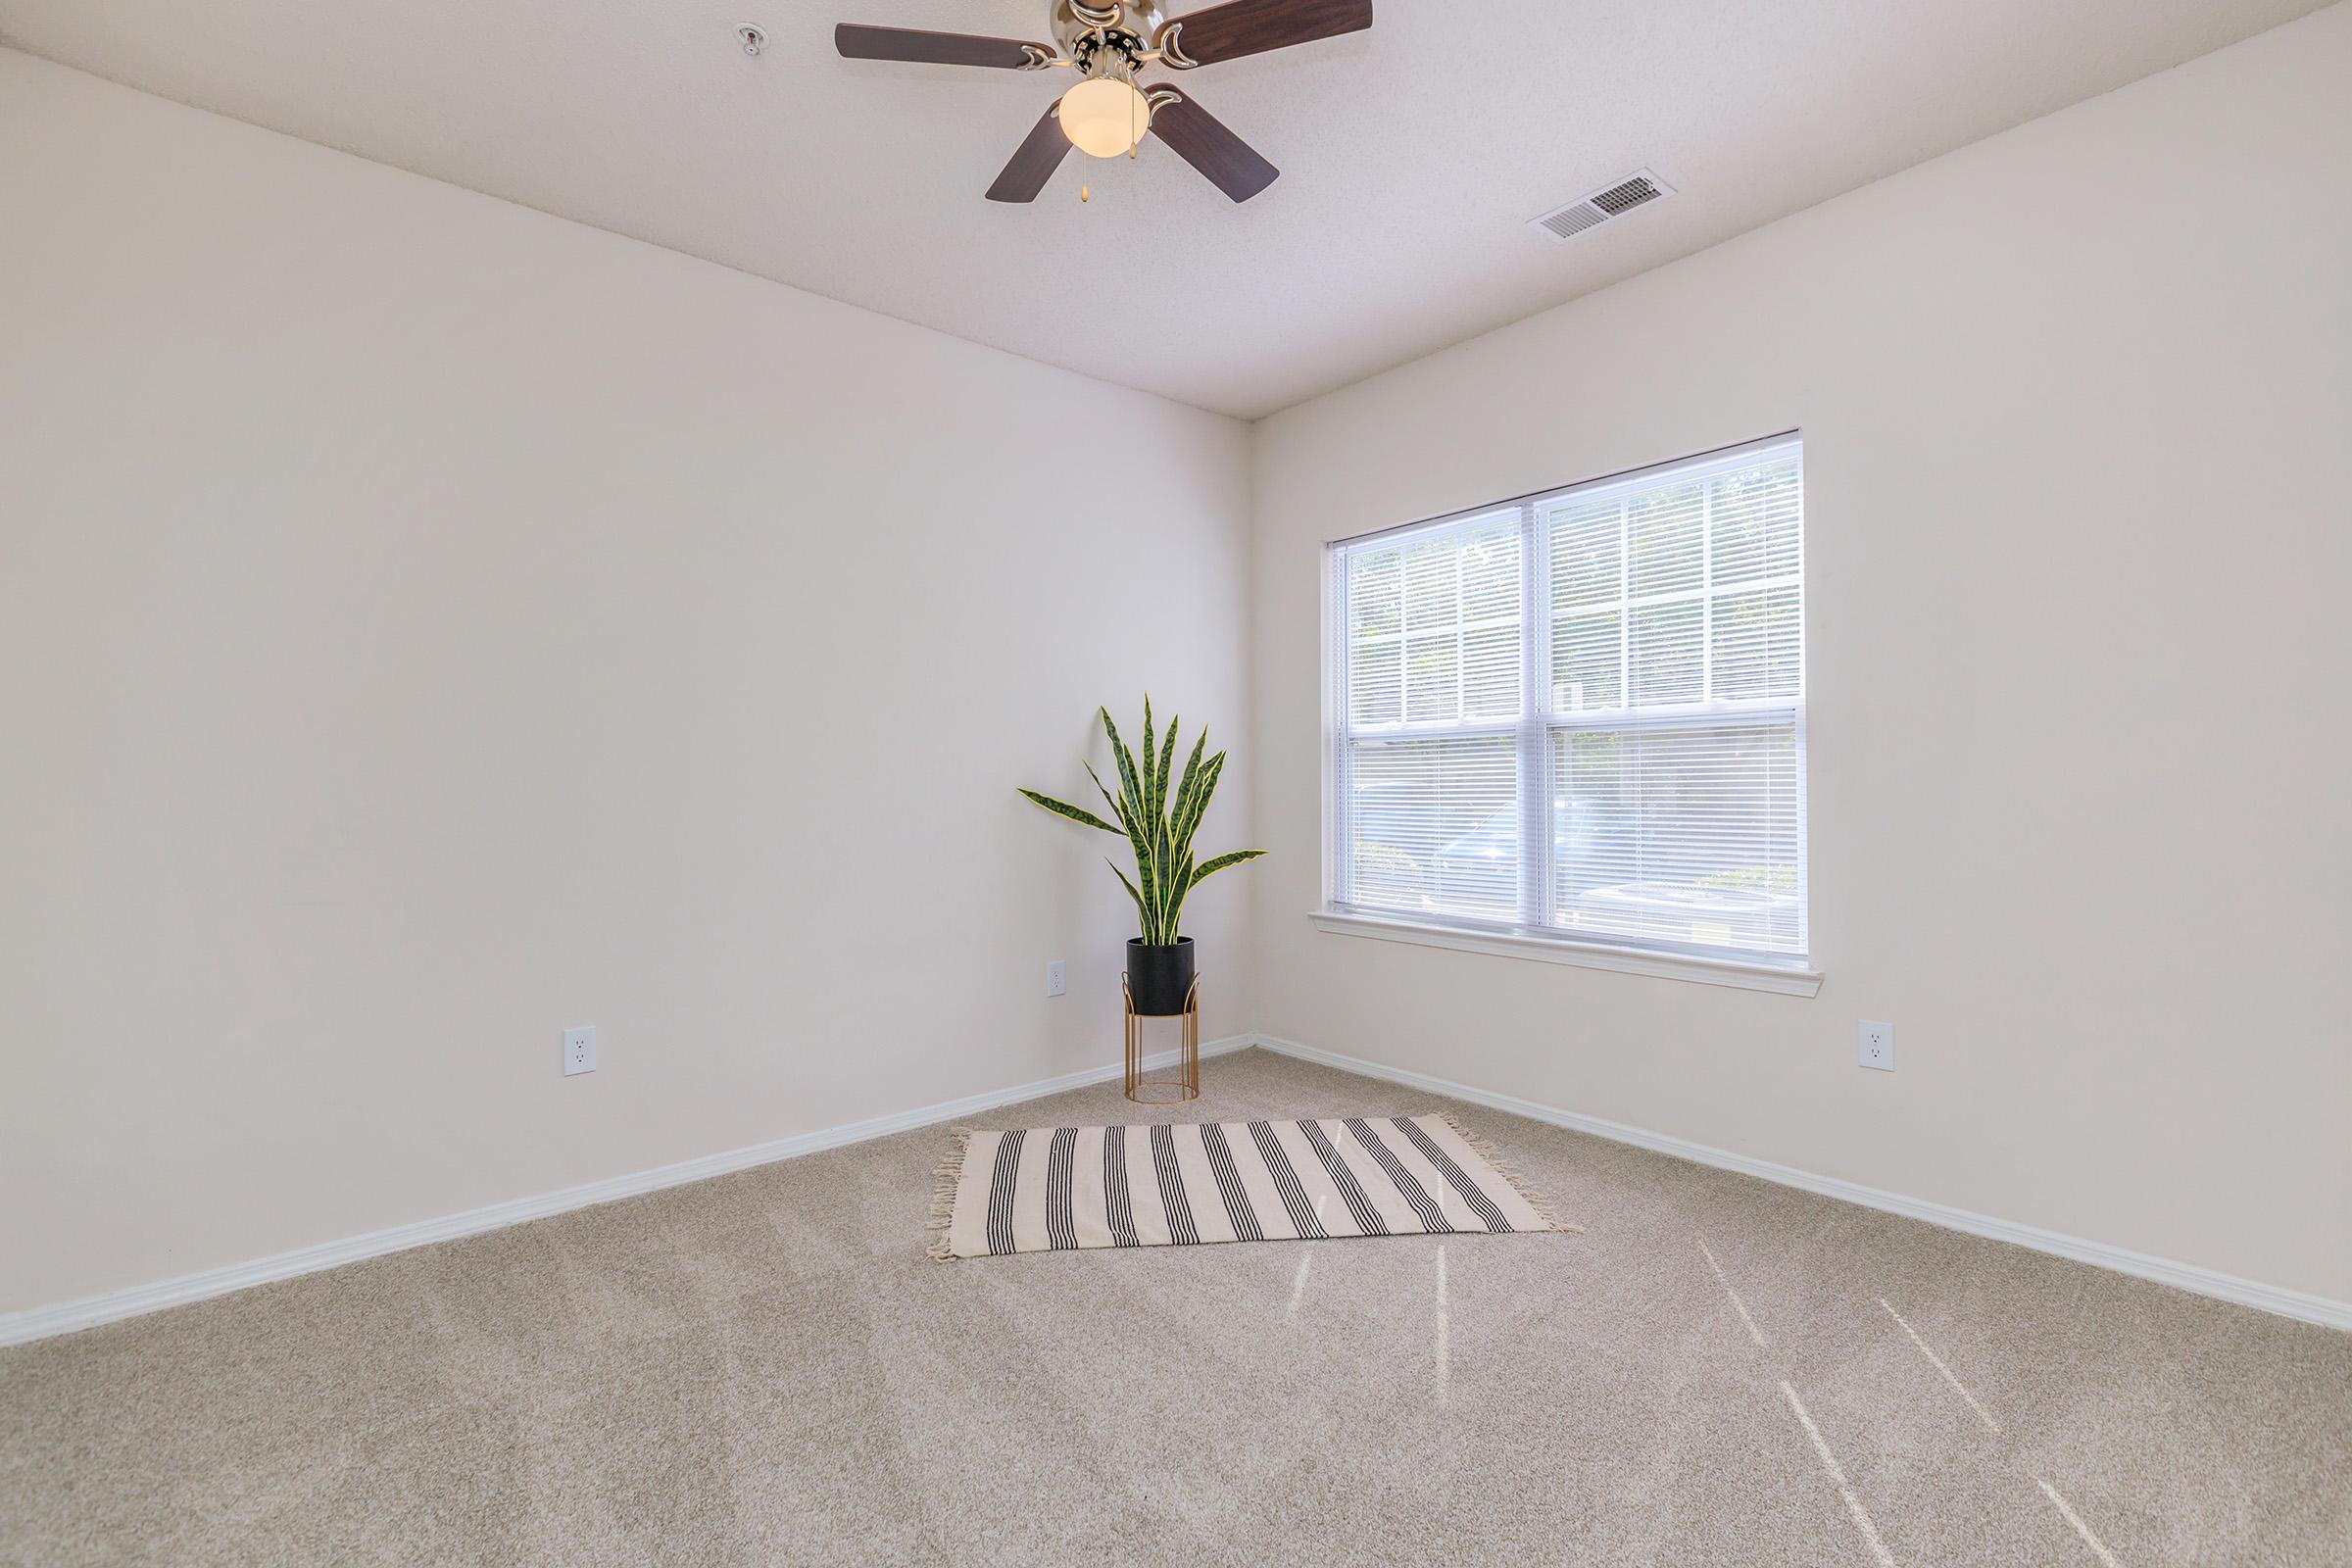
x=1182 y=1183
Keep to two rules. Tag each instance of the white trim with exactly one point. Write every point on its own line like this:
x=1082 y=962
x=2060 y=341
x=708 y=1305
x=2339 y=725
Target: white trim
x=1339 y=875
x=2299 y=1305
x=1787 y=980
x=41 y=1322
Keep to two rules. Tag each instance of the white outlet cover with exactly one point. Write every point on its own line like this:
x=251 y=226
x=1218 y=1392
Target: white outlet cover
x=1874 y=1045
x=579 y=1049
x=1057 y=978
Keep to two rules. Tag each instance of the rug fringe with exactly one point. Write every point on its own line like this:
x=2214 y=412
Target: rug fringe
x=943 y=1180
x=1509 y=1173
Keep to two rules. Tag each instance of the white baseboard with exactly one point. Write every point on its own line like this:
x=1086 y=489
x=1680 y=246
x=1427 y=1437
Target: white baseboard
x=40 y=1322
x=2165 y=1271
x=66 y=1317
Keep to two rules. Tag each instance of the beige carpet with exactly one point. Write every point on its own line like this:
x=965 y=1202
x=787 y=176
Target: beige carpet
x=767 y=1369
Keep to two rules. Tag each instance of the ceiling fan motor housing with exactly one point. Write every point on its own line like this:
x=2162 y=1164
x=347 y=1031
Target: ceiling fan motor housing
x=1102 y=36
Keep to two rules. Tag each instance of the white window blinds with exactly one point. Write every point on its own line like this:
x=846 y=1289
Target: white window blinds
x=1583 y=713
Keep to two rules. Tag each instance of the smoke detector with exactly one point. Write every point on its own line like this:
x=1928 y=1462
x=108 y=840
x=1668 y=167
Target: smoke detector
x=1639 y=188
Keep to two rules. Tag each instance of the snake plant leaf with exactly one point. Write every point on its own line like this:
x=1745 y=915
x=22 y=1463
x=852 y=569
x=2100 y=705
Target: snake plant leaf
x=1125 y=804
x=1150 y=755
x=1211 y=771
x=1129 y=789
x=1147 y=874
x=1191 y=770
x=1167 y=761
x=1063 y=808
x=1163 y=845
x=1150 y=830
x=1129 y=886
x=1113 y=801
x=1211 y=867
x=1160 y=813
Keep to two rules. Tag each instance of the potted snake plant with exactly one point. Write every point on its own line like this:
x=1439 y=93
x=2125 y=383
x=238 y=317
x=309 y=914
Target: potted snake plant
x=1157 y=812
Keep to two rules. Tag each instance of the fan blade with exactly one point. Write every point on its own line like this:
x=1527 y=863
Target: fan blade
x=857 y=43
x=1035 y=163
x=1253 y=27
x=1201 y=140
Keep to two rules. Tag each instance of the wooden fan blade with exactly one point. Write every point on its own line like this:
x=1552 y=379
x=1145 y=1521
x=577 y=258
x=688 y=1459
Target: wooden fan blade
x=1035 y=163
x=1253 y=27
x=856 y=42
x=1201 y=140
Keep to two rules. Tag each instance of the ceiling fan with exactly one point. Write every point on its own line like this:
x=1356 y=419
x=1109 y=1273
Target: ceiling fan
x=1108 y=112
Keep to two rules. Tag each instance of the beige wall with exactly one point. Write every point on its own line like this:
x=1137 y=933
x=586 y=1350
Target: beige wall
x=2076 y=404
x=426 y=624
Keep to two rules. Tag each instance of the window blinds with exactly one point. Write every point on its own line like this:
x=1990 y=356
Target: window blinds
x=1583 y=712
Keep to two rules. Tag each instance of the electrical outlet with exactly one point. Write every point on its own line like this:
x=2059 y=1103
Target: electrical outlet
x=1056 y=979
x=1877 y=1045
x=579 y=1049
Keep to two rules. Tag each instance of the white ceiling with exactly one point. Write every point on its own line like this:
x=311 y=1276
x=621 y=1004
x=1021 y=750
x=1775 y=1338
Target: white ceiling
x=1411 y=155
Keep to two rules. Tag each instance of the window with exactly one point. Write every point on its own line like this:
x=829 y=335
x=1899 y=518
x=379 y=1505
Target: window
x=1582 y=715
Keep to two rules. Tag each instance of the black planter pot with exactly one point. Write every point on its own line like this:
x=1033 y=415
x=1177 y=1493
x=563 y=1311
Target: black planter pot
x=1159 y=979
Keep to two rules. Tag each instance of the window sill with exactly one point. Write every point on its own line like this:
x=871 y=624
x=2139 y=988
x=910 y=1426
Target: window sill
x=1790 y=980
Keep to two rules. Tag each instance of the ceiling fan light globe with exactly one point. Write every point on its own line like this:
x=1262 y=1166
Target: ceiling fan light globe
x=1104 y=117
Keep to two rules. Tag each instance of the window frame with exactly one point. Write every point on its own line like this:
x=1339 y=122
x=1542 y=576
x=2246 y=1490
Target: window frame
x=1530 y=933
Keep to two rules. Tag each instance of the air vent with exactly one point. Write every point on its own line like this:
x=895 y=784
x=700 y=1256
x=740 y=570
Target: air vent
x=1637 y=189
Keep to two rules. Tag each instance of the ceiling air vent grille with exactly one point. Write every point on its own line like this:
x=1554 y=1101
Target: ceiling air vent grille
x=1637 y=189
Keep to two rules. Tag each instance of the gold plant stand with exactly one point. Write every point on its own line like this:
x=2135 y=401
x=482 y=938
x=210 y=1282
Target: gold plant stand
x=1186 y=1085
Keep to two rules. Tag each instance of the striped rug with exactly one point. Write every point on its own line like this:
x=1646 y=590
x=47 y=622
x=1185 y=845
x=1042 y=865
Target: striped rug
x=1184 y=1184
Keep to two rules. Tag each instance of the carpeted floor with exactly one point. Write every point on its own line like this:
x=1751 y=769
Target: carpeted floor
x=767 y=1369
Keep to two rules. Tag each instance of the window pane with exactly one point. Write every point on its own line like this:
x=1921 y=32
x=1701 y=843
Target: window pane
x=1756 y=644
x=1588 y=553
x=1490 y=672
x=1489 y=564
x=1433 y=583
x=1376 y=594
x=1588 y=662
x=1667 y=654
x=1433 y=628
x=1663 y=534
x=1434 y=825
x=1754 y=517
x=1376 y=683
x=1678 y=835
x=1658 y=595
x=1433 y=677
